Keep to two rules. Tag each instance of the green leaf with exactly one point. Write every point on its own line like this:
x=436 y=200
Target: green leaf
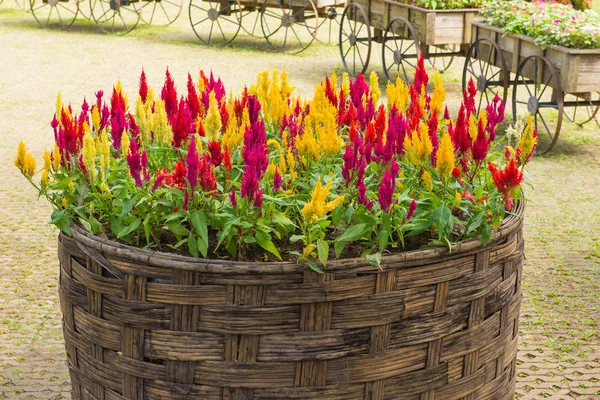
x=486 y=233
x=364 y=216
x=178 y=229
x=193 y=246
x=315 y=267
x=127 y=207
x=382 y=239
x=387 y=222
x=129 y=228
x=226 y=230
x=339 y=247
x=355 y=232
x=281 y=219
x=374 y=259
x=86 y=224
x=336 y=216
x=198 y=219
x=295 y=238
x=61 y=220
x=323 y=251
x=264 y=241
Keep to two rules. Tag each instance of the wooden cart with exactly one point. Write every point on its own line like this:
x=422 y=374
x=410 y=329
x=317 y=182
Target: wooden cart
x=403 y=30
x=111 y=16
x=289 y=26
x=546 y=81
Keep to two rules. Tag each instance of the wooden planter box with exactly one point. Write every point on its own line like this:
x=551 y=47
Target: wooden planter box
x=579 y=70
x=434 y=27
x=145 y=325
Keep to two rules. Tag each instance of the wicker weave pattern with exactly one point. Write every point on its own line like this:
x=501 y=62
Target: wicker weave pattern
x=429 y=326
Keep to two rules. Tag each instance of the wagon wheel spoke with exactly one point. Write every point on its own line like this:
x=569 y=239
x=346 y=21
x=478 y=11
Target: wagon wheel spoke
x=545 y=87
x=545 y=124
x=67 y=9
x=297 y=37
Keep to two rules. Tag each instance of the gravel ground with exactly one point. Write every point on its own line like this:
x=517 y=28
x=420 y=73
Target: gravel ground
x=559 y=354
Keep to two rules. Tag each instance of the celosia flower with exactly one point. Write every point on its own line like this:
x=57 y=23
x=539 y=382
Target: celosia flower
x=276 y=180
x=192 y=99
x=506 y=180
x=386 y=189
x=528 y=143
x=233 y=198
x=444 y=159
x=411 y=210
x=25 y=161
x=169 y=96
x=134 y=161
x=125 y=144
x=427 y=181
x=192 y=163
x=318 y=206
x=481 y=144
x=439 y=95
x=89 y=155
x=495 y=115
x=182 y=123
x=118 y=124
x=421 y=77
x=374 y=83
x=461 y=138
x=96 y=118
x=212 y=122
x=56 y=158
x=255 y=157
x=227 y=160
x=143 y=92
x=214 y=149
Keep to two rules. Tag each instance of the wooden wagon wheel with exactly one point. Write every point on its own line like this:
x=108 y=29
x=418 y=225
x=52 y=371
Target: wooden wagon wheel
x=584 y=110
x=54 y=13
x=216 y=23
x=84 y=10
x=355 y=39
x=289 y=28
x=115 y=16
x=441 y=62
x=400 y=49
x=332 y=18
x=160 y=12
x=546 y=82
x=486 y=65
x=251 y=20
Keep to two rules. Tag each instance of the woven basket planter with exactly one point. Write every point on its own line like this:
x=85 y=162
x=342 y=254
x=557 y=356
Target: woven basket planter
x=430 y=325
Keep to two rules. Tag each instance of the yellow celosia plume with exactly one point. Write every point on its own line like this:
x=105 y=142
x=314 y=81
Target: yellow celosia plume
x=89 y=155
x=438 y=96
x=163 y=133
x=444 y=159
x=398 y=95
x=212 y=122
x=317 y=206
x=375 y=90
x=25 y=161
x=124 y=144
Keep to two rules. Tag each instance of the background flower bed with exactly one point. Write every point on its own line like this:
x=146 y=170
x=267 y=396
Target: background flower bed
x=546 y=23
x=267 y=173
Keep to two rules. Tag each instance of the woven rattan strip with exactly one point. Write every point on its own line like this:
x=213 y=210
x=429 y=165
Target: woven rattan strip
x=429 y=325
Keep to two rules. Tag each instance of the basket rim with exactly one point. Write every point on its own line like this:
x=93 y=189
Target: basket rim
x=155 y=258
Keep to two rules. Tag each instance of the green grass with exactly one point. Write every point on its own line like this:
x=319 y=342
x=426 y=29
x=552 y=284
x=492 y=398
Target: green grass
x=596 y=5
